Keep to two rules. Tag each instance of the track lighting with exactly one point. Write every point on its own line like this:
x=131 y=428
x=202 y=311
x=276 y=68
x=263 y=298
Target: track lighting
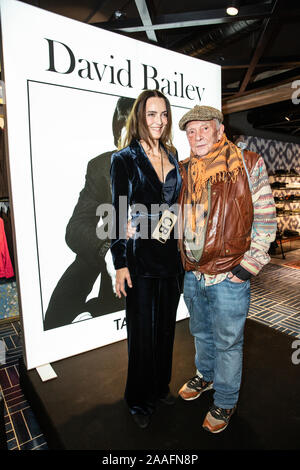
x=232 y=8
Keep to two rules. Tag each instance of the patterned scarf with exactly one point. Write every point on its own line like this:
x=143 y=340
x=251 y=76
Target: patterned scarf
x=223 y=163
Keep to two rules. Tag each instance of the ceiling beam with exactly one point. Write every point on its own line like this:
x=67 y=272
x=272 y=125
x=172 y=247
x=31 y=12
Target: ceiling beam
x=93 y=12
x=275 y=62
x=190 y=19
x=268 y=28
x=146 y=19
x=262 y=97
x=272 y=78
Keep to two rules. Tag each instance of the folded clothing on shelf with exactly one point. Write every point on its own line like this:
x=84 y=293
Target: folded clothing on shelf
x=293 y=184
x=290 y=233
x=285 y=172
x=291 y=197
x=278 y=184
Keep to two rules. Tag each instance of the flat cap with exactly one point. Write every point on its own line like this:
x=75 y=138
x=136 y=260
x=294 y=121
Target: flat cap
x=200 y=113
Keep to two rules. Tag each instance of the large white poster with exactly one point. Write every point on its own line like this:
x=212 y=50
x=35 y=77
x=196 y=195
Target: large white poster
x=68 y=90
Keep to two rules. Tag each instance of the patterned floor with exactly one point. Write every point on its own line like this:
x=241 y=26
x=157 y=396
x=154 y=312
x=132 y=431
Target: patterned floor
x=22 y=429
x=275 y=299
x=275 y=302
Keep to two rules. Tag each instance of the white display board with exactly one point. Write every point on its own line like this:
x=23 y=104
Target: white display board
x=63 y=81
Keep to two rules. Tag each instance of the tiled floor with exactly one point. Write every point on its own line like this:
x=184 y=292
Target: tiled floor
x=22 y=430
x=275 y=299
x=275 y=302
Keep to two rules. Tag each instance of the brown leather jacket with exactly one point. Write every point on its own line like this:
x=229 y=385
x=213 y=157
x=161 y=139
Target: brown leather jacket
x=228 y=232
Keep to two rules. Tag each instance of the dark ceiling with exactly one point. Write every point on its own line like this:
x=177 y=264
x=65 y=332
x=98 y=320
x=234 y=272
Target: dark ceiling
x=258 y=50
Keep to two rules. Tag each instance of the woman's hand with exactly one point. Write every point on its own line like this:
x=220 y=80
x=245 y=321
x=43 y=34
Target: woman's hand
x=122 y=275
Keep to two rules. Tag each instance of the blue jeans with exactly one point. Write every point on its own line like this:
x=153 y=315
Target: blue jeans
x=217 y=318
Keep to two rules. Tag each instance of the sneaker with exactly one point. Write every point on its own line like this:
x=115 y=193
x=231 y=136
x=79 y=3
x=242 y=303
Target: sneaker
x=194 y=387
x=217 y=419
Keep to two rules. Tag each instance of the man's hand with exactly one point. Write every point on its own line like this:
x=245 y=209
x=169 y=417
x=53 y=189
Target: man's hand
x=122 y=275
x=130 y=230
x=233 y=278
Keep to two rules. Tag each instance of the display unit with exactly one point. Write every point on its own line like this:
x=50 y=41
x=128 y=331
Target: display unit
x=286 y=191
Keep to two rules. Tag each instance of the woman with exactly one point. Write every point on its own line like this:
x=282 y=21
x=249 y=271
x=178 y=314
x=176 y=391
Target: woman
x=148 y=272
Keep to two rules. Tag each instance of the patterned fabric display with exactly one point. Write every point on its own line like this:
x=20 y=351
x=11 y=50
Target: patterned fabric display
x=9 y=306
x=284 y=156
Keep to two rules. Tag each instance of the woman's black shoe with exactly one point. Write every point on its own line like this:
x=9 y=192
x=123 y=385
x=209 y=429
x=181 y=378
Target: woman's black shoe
x=168 y=399
x=142 y=421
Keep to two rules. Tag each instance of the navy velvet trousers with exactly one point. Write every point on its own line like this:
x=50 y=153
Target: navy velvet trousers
x=151 y=306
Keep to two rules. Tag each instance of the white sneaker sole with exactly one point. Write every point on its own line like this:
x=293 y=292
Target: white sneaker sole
x=215 y=432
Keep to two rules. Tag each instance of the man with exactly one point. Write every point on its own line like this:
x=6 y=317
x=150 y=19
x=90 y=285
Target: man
x=228 y=224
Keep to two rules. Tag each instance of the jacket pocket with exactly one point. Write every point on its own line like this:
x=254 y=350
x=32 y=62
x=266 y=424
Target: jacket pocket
x=237 y=246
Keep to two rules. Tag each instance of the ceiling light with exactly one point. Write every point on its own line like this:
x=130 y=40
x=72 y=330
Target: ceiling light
x=119 y=15
x=232 y=8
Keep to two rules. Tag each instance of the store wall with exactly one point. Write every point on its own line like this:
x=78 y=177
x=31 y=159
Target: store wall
x=285 y=156
x=277 y=154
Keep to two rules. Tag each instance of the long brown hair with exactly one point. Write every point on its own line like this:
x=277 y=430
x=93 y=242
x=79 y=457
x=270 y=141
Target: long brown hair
x=136 y=127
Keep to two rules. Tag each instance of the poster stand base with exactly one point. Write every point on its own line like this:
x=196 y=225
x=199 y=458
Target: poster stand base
x=46 y=372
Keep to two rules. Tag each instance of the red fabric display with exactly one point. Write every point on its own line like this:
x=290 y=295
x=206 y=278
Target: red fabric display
x=6 y=268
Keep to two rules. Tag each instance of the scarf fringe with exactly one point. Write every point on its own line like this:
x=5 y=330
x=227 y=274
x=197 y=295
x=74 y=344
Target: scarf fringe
x=225 y=176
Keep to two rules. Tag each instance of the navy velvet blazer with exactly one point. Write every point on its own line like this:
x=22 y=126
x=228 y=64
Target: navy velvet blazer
x=133 y=176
